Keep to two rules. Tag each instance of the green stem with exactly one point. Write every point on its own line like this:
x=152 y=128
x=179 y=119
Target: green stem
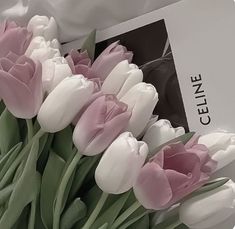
x=18 y=160
x=29 y=123
x=96 y=211
x=125 y=214
x=32 y=216
x=61 y=190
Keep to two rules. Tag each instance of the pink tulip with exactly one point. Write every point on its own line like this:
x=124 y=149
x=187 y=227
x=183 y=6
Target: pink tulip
x=21 y=85
x=100 y=124
x=13 y=39
x=109 y=58
x=172 y=174
x=80 y=63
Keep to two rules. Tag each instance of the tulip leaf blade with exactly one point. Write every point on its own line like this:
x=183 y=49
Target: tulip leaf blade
x=170 y=223
x=105 y=226
x=76 y=211
x=183 y=138
x=142 y=223
x=63 y=144
x=28 y=184
x=9 y=132
x=89 y=45
x=50 y=182
x=111 y=213
x=81 y=174
x=132 y=223
x=210 y=186
x=8 y=159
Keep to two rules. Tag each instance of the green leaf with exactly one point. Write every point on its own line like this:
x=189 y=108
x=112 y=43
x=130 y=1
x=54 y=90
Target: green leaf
x=75 y=212
x=9 y=131
x=5 y=193
x=89 y=45
x=8 y=158
x=142 y=223
x=105 y=226
x=81 y=174
x=131 y=223
x=50 y=182
x=183 y=138
x=90 y=199
x=112 y=212
x=169 y=223
x=22 y=221
x=44 y=154
x=32 y=216
x=63 y=143
x=209 y=187
x=26 y=189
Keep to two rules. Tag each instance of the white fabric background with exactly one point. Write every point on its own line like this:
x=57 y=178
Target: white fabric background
x=78 y=17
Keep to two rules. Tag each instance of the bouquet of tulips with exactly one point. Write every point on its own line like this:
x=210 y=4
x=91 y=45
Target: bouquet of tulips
x=80 y=148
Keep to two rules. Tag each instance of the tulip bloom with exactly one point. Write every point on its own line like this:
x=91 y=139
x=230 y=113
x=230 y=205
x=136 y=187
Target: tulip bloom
x=141 y=100
x=43 y=26
x=172 y=174
x=64 y=102
x=53 y=72
x=109 y=58
x=161 y=132
x=42 y=50
x=100 y=124
x=13 y=39
x=221 y=147
x=210 y=208
x=21 y=85
x=80 y=63
x=120 y=165
x=123 y=77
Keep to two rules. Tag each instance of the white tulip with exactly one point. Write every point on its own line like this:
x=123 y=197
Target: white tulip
x=41 y=50
x=161 y=132
x=64 y=102
x=123 y=77
x=53 y=72
x=141 y=100
x=221 y=147
x=210 y=208
x=43 y=26
x=119 y=166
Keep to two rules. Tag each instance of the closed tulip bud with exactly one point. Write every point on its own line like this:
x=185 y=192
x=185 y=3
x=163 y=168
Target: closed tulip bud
x=43 y=26
x=141 y=100
x=42 y=50
x=109 y=58
x=120 y=165
x=13 y=38
x=210 y=208
x=64 y=102
x=161 y=132
x=221 y=147
x=53 y=72
x=21 y=85
x=100 y=124
x=123 y=77
x=80 y=63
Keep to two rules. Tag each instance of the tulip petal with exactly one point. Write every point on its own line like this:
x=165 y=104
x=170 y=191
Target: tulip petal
x=17 y=96
x=152 y=188
x=108 y=133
